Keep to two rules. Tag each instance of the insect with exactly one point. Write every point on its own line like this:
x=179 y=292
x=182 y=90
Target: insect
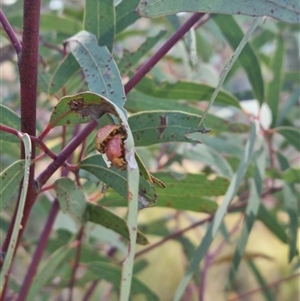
x=110 y=141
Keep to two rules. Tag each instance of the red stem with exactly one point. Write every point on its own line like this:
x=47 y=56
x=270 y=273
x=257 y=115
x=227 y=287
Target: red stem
x=37 y=256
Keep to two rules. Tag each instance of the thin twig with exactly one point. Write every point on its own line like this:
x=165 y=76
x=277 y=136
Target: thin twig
x=263 y=287
x=11 y=33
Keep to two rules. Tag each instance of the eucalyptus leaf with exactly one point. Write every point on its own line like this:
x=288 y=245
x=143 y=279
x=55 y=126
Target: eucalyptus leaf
x=9 y=118
x=287 y=11
x=164 y=126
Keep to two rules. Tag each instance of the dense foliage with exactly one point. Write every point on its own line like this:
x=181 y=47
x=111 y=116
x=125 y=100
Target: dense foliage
x=146 y=152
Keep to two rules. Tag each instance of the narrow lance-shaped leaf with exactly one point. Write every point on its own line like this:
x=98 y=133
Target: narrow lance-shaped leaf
x=185 y=90
x=126 y=14
x=287 y=11
x=99 y=19
x=251 y=211
x=64 y=72
x=268 y=219
x=47 y=270
x=104 y=217
x=11 y=119
x=291 y=134
x=113 y=275
x=274 y=87
x=290 y=204
x=248 y=59
x=10 y=180
x=18 y=219
x=130 y=60
x=164 y=126
x=219 y=216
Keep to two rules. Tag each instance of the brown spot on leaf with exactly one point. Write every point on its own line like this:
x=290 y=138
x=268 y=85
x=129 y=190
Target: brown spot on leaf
x=162 y=125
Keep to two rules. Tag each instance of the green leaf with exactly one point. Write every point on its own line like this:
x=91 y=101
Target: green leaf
x=59 y=23
x=51 y=22
x=291 y=134
x=99 y=67
x=64 y=72
x=191 y=192
x=130 y=60
x=283 y=10
x=117 y=180
x=10 y=119
x=100 y=215
x=163 y=126
x=126 y=14
x=210 y=157
x=71 y=198
x=99 y=19
x=112 y=274
x=271 y=223
x=10 y=180
x=274 y=88
x=47 y=270
x=137 y=101
x=290 y=204
x=251 y=211
x=248 y=59
x=261 y=281
x=291 y=102
x=185 y=91
x=218 y=217
x=20 y=209
x=81 y=108
x=291 y=175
